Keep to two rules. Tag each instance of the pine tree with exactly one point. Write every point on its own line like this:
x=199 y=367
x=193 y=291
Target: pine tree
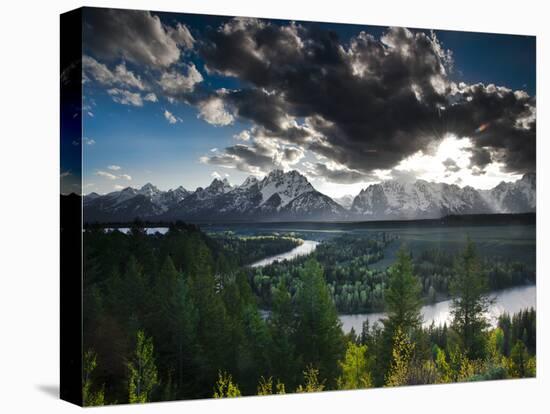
x=403 y=301
x=520 y=365
x=212 y=329
x=282 y=329
x=142 y=371
x=402 y=351
x=355 y=372
x=280 y=388
x=132 y=291
x=89 y=397
x=173 y=322
x=265 y=386
x=470 y=302
x=445 y=374
x=225 y=387
x=495 y=346
x=312 y=382
x=319 y=337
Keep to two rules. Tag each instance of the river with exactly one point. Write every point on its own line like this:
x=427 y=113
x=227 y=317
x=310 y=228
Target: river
x=303 y=249
x=509 y=300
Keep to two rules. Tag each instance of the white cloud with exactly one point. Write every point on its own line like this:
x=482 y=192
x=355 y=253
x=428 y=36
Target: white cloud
x=243 y=135
x=88 y=141
x=216 y=174
x=111 y=176
x=259 y=157
x=175 y=83
x=120 y=76
x=98 y=71
x=118 y=187
x=106 y=175
x=150 y=97
x=125 y=97
x=65 y=174
x=449 y=162
x=214 y=112
x=170 y=117
x=126 y=77
x=134 y=35
x=182 y=36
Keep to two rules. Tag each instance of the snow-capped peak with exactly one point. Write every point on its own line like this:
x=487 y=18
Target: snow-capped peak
x=92 y=195
x=511 y=197
x=249 y=182
x=219 y=186
x=290 y=196
x=345 y=201
x=287 y=186
x=422 y=199
x=149 y=190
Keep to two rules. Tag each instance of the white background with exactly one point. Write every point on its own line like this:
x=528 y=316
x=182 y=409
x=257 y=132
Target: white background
x=29 y=188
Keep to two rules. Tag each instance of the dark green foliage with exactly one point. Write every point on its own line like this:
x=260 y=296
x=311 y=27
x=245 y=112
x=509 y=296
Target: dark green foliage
x=174 y=316
x=357 y=280
x=435 y=268
x=282 y=326
x=521 y=326
x=403 y=309
x=247 y=250
x=403 y=296
x=520 y=363
x=180 y=295
x=319 y=341
x=470 y=302
x=353 y=285
x=90 y=397
x=142 y=370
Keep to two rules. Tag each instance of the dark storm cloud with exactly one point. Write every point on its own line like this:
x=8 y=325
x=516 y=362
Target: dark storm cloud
x=335 y=174
x=135 y=35
x=244 y=158
x=481 y=157
x=366 y=104
x=451 y=165
x=499 y=121
x=267 y=110
x=260 y=157
x=292 y=154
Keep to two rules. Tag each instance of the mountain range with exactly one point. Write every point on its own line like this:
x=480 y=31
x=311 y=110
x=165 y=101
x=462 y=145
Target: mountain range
x=289 y=196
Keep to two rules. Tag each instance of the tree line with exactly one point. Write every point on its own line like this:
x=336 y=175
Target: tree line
x=174 y=317
x=250 y=249
x=358 y=284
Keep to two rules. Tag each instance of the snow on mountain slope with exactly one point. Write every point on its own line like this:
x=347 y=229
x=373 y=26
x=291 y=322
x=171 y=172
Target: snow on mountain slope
x=287 y=186
x=422 y=199
x=345 y=201
x=313 y=205
x=253 y=199
x=289 y=196
x=519 y=196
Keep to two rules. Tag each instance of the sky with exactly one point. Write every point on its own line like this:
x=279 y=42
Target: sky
x=179 y=99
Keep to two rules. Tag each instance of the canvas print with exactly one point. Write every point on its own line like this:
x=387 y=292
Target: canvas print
x=276 y=206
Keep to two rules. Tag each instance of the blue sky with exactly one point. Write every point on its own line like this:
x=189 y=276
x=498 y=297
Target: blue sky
x=164 y=103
